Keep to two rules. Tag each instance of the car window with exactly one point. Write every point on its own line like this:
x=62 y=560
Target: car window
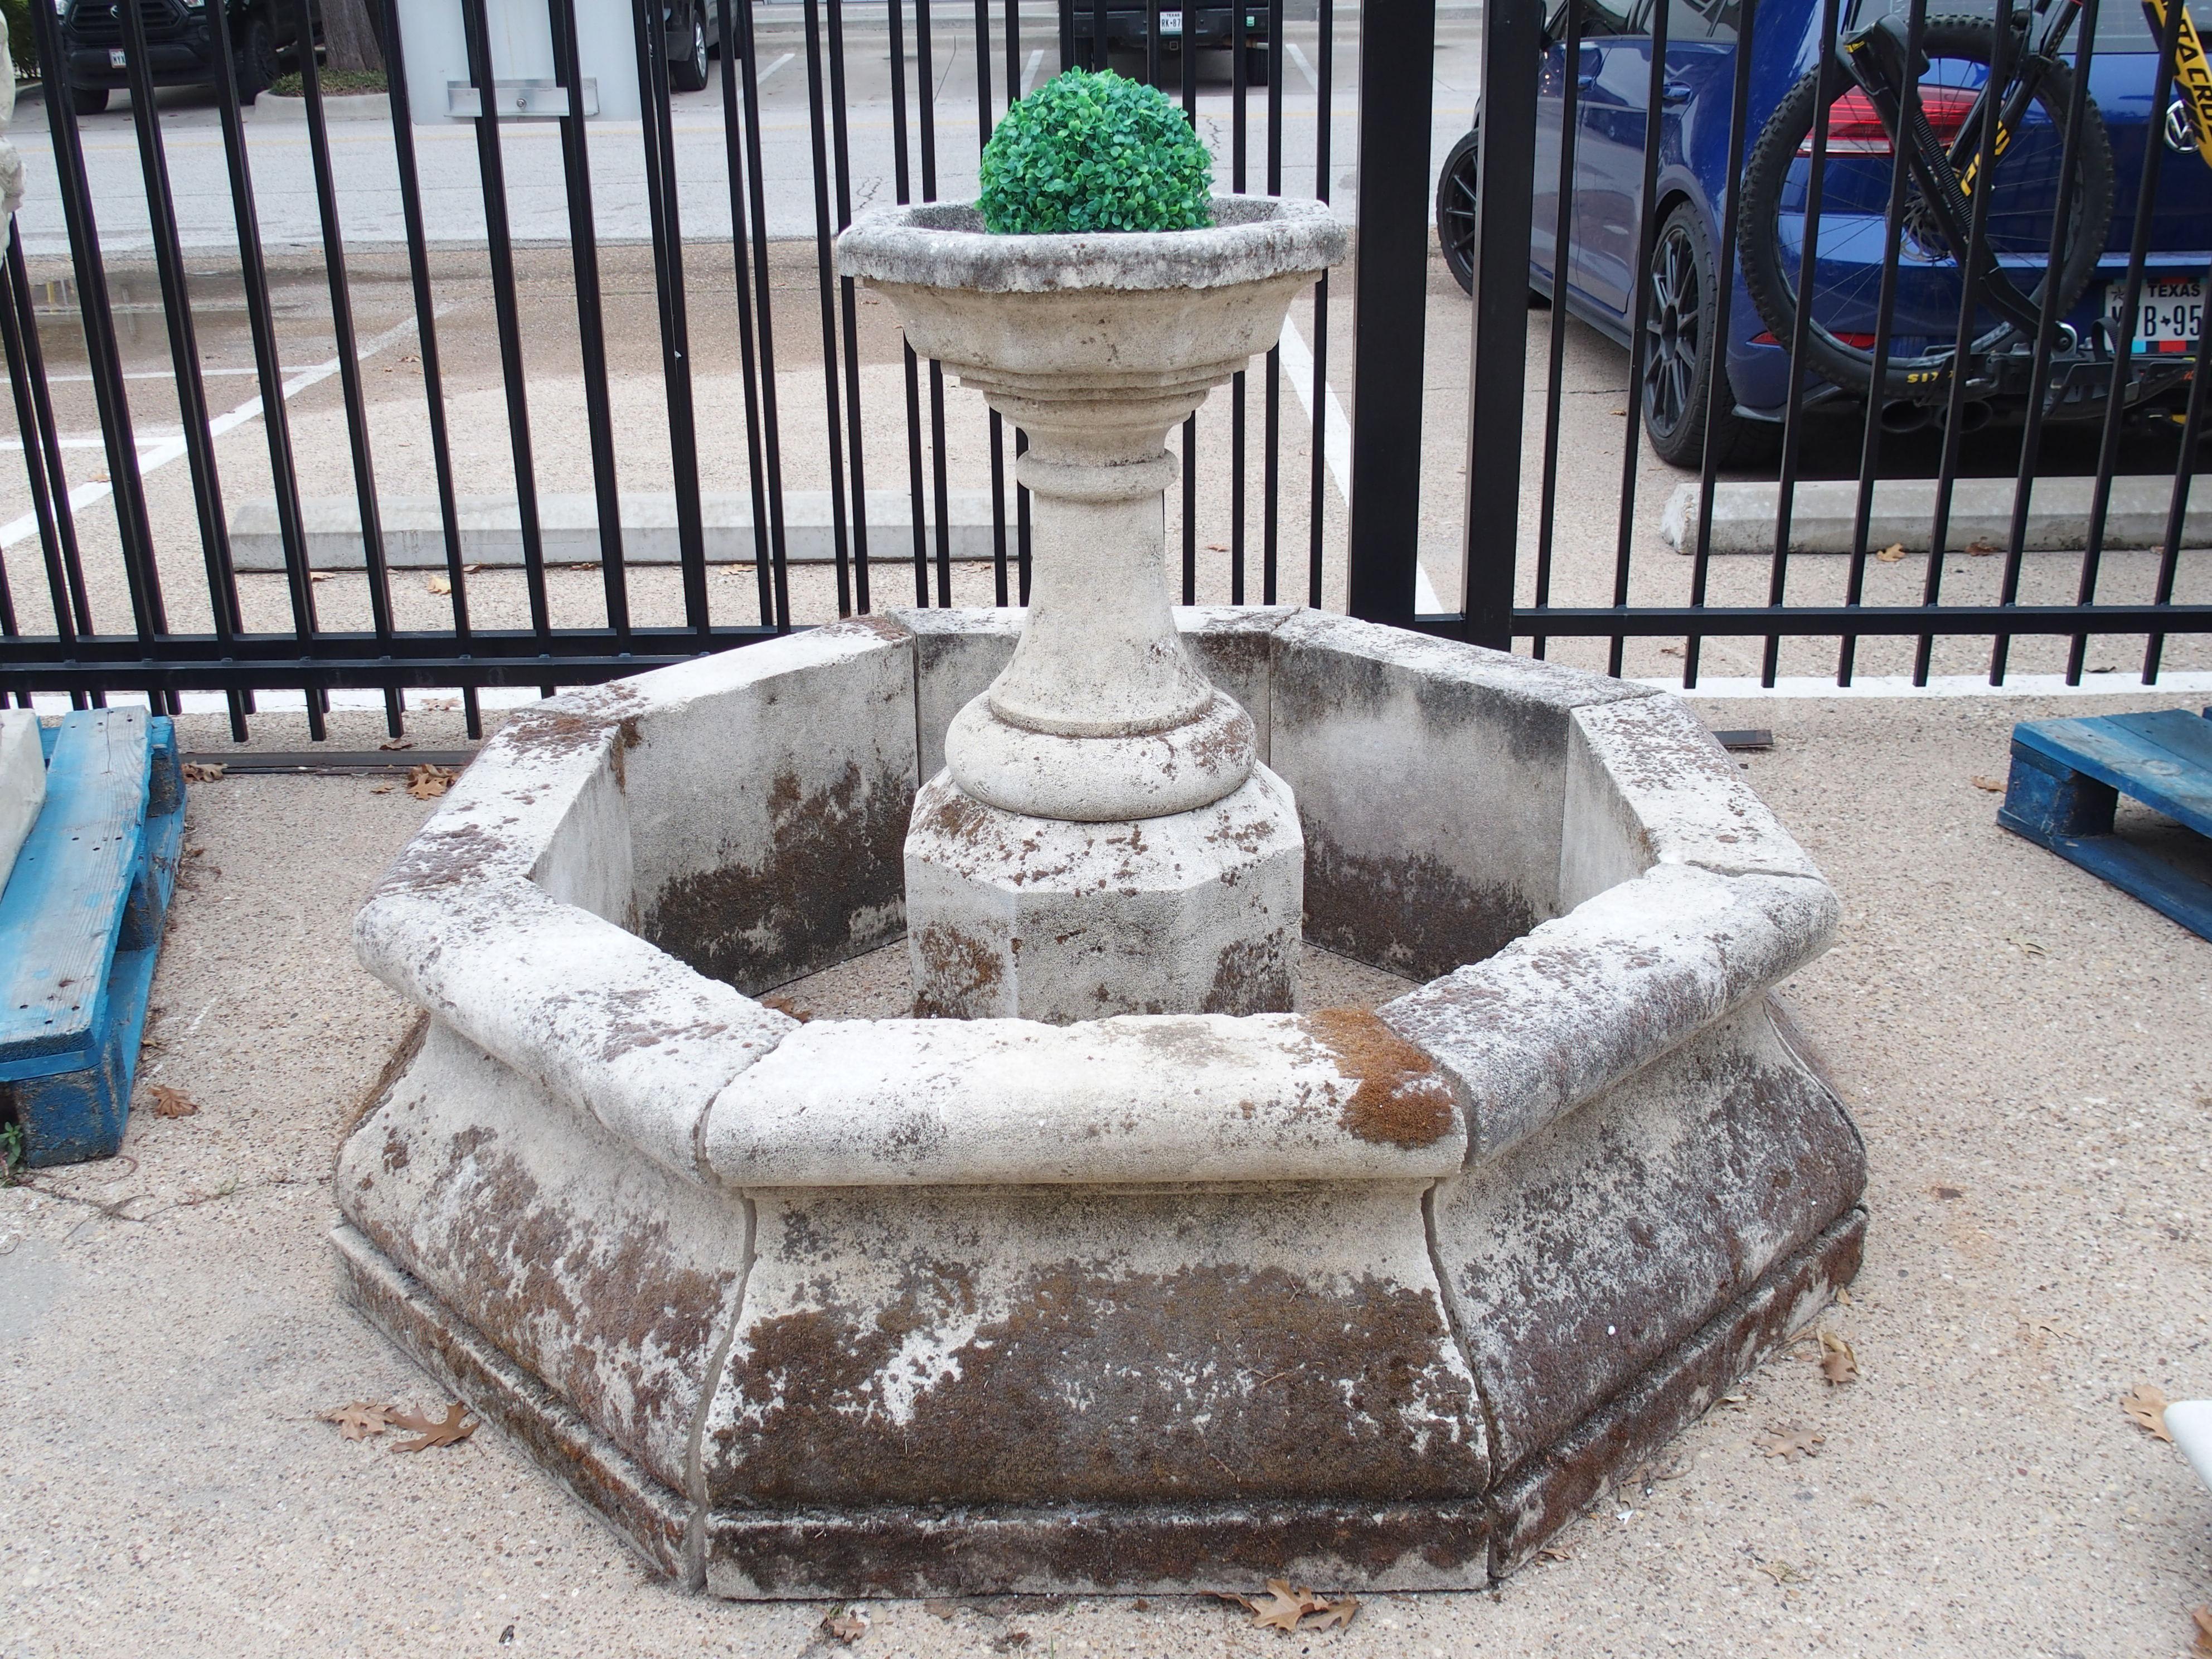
x=2121 y=24
x=1602 y=17
x=1688 y=20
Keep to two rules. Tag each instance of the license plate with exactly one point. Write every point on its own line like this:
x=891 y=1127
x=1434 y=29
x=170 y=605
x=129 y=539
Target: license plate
x=1170 y=22
x=2168 y=317
x=115 y=57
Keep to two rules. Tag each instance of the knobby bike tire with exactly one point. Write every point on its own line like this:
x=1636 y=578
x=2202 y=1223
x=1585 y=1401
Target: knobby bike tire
x=1773 y=286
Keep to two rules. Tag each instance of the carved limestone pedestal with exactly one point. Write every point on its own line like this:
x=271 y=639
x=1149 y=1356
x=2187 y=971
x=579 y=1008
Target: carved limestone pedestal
x=1103 y=840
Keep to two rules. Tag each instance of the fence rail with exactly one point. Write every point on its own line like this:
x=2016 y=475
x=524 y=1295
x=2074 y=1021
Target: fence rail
x=574 y=339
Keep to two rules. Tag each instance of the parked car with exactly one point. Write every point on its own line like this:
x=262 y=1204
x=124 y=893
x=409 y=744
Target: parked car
x=180 y=38
x=1607 y=234
x=264 y=39
x=1204 y=29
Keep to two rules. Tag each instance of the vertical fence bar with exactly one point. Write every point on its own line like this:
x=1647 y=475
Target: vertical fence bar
x=1808 y=258
x=103 y=357
x=1316 y=495
x=2038 y=388
x=352 y=394
x=925 y=65
x=902 y=187
x=848 y=310
x=1970 y=290
x=261 y=324
x=71 y=560
x=997 y=424
x=426 y=332
x=2124 y=347
x=1497 y=366
x=1190 y=422
x=591 y=324
x=1014 y=92
x=1885 y=311
x=1238 y=146
x=1270 y=417
x=1548 y=499
x=659 y=146
x=826 y=286
x=1639 y=312
x=183 y=352
x=492 y=174
x=773 y=572
x=47 y=488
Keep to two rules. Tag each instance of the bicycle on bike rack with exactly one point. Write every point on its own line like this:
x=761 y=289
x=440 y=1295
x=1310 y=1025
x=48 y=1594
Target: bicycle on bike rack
x=2006 y=223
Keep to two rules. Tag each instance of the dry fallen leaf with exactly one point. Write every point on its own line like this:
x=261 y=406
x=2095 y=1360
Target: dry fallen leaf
x=201 y=771
x=1780 y=1571
x=1995 y=786
x=428 y=782
x=1338 y=1614
x=2201 y=1618
x=1980 y=548
x=2027 y=946
x=448 y=1430
x=1844 y=1294
x=1891 y=554
x=2146 y=1408
x=381 y=789
x=937 y=1609
x=786 y=1005
x=846 y=1627
x=1553 y=1552
x=1786 y=1443
x=172 y=1103
x=1283 y=1606
x=1947 y=1192
x=1217 y=547
x=319 y=576
x=360 y=1419
x=440 y=584
x=1838 y=1364
x=397 y=743
x=1619 y=411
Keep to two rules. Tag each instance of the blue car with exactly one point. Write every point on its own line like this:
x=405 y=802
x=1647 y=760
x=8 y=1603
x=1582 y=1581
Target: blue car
x=2042 y=222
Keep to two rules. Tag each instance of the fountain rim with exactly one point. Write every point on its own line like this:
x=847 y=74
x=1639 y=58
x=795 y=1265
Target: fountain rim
x=725 y=1091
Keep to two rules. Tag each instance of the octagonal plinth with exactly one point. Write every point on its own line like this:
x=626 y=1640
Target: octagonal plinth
x=1010 y=916
x=857 y=1307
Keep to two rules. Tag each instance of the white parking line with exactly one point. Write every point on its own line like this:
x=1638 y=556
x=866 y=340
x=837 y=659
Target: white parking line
x=155 y=456
x=1029 y=70
x=762 y=79
x=1298 y=57
x=1336 y=443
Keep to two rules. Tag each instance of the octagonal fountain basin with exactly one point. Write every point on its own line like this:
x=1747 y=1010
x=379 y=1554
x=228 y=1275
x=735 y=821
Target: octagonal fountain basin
x=860 y=1307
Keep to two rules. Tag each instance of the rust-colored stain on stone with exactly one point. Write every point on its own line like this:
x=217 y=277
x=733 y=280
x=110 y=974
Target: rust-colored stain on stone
x=1402 y=1099
x=959 y=973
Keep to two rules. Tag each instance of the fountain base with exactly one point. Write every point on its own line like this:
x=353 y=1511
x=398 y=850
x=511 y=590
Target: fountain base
x=1010 y=916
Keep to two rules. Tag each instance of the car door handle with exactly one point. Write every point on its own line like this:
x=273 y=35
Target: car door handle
x=1676 y=92
x=1587 y=79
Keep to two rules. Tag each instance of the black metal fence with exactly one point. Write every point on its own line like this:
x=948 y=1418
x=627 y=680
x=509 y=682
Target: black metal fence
x=546 y=617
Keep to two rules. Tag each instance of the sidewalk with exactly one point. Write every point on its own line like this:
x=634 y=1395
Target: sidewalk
x=2023 y=1047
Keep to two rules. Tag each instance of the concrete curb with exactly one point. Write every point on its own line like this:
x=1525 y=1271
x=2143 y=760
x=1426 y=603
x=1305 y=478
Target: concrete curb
x=337 y=107
x=568 y=526
x=1822 y=513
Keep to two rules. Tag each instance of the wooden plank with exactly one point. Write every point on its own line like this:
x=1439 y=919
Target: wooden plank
x=2137 y=756
x=2169 y=890
x=63 y=904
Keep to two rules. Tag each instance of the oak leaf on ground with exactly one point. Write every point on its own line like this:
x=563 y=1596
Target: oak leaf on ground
x=440 y=584
x=449 y=1431
x=846 y=1627
x=1787 y=1442
x=428 y=782
x=360 y=1419
x=1994 y=785
x=1338 y=1614
x=1891 y=554
x=172 y=1103
x=2146 y=1408
x=201 y=771
x=1838 y=1364
x=2202 y=1617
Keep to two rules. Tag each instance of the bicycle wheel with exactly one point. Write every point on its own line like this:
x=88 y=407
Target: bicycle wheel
x=2022 y=217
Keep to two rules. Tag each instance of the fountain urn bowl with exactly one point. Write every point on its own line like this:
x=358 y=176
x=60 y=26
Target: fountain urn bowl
x=1150 y=1302
x=1094 y=347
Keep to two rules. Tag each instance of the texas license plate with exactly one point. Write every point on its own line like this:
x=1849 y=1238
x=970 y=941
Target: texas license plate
x=115 y=57
x=1170 y=22
x=2169 y=315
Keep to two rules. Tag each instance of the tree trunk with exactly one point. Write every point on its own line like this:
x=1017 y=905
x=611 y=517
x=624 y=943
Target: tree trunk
x=351 y=37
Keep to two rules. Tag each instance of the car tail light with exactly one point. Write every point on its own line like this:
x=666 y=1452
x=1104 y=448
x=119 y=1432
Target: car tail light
x=1855 y=129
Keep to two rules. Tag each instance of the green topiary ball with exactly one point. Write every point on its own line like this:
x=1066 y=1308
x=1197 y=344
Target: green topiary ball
x=1095 y=152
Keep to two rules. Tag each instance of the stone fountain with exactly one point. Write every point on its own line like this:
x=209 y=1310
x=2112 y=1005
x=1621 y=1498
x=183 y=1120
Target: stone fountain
x=1118 y=1273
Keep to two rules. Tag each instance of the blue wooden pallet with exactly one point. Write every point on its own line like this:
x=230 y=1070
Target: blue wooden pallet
x=80 y=925
x=2068 y=777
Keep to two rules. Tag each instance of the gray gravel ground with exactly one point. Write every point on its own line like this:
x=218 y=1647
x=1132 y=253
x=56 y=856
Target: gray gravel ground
x=2025 y=1048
